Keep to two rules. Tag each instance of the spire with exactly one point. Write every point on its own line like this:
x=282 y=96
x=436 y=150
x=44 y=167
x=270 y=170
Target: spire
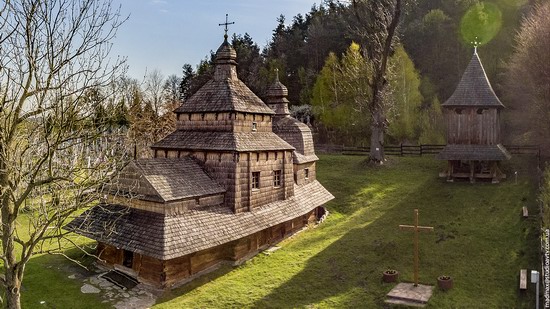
x=276 y=97
x=226 y=58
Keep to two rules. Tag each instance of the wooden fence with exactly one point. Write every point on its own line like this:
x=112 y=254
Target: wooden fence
x=414 y=150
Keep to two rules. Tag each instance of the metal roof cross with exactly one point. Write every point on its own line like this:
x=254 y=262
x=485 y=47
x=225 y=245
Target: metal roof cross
x=226 y=24
x=476 y=43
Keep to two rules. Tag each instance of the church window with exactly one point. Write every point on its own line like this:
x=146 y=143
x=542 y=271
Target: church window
x=277 y=178
x=254 y=126
x=306 y=173
x=481 y=110
x=255 y=180
x=202 y=116
x=189 y=116
x=458 y=111
x=217 y=116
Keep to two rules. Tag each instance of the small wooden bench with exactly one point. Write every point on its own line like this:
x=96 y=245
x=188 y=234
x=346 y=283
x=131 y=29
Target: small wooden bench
x=523 y=279
x=525 y=212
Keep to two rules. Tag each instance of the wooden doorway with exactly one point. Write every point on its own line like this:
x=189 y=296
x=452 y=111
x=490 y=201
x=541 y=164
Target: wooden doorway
x=128 y=259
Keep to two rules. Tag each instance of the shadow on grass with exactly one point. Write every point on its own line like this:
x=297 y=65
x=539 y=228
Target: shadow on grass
x=47 y=283
x=479 y=239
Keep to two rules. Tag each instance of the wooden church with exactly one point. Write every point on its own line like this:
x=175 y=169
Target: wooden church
x=472 y=116
x=234 y=178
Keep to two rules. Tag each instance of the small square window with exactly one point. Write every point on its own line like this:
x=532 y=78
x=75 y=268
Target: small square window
x=306 y=172
x=255 y=180
x=254 y=126
x=277 y=178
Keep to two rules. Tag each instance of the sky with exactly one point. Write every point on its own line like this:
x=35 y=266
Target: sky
x=166 y=34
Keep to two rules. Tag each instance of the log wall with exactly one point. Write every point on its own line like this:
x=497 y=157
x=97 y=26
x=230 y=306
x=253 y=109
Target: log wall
x=224 y=122
x=300 y=173
x=475 y=126
x=168 y=273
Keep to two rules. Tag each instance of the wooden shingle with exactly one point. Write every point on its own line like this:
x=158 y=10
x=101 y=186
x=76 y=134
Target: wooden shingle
x=474 y=152
x=167 y=237
x=474 y=89
x=222 y=141
x=164 y=180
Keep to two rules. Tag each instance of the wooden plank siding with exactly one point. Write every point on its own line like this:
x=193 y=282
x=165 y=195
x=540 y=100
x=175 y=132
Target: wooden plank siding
x=478 y=126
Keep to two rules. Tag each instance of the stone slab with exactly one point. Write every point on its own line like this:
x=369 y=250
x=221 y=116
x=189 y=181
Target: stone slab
x=408 y=294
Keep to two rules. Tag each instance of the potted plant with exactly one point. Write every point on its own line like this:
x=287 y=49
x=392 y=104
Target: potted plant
x=390 y=275
x=445 y=282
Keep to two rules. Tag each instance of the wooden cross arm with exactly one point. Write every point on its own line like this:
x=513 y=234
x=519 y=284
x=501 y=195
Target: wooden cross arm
x=412 y=227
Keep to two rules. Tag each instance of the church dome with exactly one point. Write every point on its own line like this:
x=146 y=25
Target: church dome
x=277 y=89
x=226 y=54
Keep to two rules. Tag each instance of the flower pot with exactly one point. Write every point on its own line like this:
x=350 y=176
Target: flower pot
x=445 y=282
x=390 y=275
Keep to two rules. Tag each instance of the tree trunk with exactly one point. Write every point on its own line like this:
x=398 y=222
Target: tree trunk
x=11 y=267
x=376 y=153
x=13 y=288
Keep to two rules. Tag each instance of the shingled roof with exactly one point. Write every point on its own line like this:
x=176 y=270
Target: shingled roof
x=474 y=88
x=167 y=237
x=225 y=92
x=227 y=95
x=298 y=134
x=164 y=180
x=222 y=141
x=474 y=152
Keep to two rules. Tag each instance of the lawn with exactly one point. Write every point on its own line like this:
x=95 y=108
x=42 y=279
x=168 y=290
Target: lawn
x=480 y=240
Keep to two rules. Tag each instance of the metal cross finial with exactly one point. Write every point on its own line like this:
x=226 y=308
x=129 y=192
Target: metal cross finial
x=476 y=44
x=277 y=73
x=226 y=24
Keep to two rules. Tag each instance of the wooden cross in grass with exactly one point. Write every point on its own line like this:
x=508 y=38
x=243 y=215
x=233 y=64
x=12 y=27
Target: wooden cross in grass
x=416 y=228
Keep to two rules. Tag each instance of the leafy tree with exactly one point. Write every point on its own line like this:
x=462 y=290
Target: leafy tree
x=186 y=82
x=52 y=53
x=528 y=80
x=405 y=109
x=249 y=62
x=339 y=93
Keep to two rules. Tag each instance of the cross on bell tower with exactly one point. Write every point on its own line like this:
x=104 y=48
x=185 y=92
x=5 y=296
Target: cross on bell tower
x=226 y=24
x=476 y=43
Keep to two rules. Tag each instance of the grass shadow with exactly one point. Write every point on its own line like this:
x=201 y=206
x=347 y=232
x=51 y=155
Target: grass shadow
x=480 y=240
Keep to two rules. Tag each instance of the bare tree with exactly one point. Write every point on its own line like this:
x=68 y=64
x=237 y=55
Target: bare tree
x=154 y=89
x=377 y=23
x=51 y=161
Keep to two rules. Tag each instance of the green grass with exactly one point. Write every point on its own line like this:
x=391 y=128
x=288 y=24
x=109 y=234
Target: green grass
x=480 y=240
x=45 y=281
x=46 y=284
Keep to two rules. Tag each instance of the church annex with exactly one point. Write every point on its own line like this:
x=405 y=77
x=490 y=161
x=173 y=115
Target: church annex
x=235 y=177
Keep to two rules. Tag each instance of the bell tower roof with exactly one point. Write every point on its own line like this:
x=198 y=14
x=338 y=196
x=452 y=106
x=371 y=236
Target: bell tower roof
x=474 y=88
